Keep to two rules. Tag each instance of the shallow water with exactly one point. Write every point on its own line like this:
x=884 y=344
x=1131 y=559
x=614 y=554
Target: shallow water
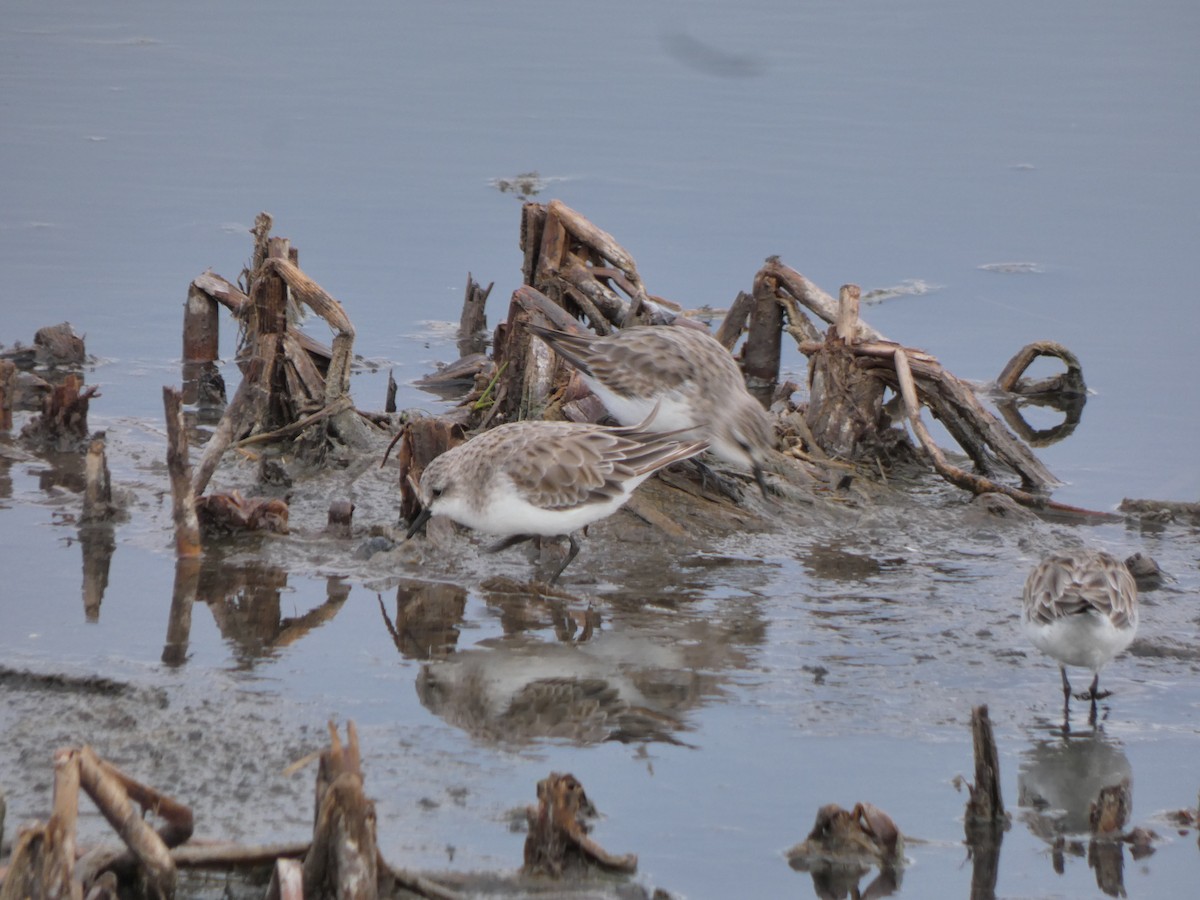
x=1025 y=173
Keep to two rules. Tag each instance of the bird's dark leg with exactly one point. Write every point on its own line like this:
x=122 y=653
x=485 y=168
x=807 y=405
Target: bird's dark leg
x=511 y=541
x=1093 y=693
x=1066 y=685
x=571 y=554
x=722 y=484
x=762 y=481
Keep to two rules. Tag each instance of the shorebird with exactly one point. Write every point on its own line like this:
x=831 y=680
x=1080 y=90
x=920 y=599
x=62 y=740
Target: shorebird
x=1081 y=608
x=687 y=374
x=530 y=479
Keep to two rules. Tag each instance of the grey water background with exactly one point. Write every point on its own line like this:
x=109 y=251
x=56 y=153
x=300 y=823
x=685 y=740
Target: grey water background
x=1024 y=171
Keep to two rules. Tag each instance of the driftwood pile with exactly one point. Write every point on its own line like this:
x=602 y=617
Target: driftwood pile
x=577 y=273
x=342 y=859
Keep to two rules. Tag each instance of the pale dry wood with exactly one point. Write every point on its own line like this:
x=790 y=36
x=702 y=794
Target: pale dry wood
x=287 y=881
x=183 y=500
x=237 y=419
x=343 y=858
x=111 y=797
x=223 y=291
x=266 y=437
x=416 y=883
x=603 y=242
x=97 y=494
x=811 y=296
x=847 y=319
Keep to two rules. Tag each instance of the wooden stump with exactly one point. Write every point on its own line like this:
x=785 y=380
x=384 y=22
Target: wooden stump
x=845 y=409
x=62 y=424
x=343 y=859
x=557 y=841
x=8 y=393
x=421 y=441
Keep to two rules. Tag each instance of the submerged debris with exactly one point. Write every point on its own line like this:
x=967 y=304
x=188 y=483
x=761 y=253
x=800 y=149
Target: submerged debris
x=558 y=840
x=844 y=845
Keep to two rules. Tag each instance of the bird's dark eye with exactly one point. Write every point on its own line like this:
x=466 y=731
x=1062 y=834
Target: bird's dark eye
x=436 y=492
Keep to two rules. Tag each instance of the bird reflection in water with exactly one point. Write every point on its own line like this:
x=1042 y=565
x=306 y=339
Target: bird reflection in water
x=1076 y=791
x=527 y=689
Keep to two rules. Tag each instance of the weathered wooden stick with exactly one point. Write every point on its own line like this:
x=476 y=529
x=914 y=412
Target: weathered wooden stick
x=604 y=243
x=472 y=324
x=183 y=501
x=343 y=857
x=389 y=403
x=811 y=296
x=985 y=803
x=533 y=221
x=201 y=327
x=761 y=355
x=61 y=881
x=287 y=880
x=734 y=323
x=847 y=320
x=238 y=417
x=266 y=437
x=43 y=860
x=262 y=232
x=601 y=305
x=1070 y=381
x=223 y=291
x=974 y=483
x=349 y=427
x=178 y=821
x=8 y=391
x=217 y=855
x=110 y=796
x=417 y=884
x=224 y=855
x=97 y=493
x=307 y=291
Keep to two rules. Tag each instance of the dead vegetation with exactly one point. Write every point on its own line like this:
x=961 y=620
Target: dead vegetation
x=294 y=400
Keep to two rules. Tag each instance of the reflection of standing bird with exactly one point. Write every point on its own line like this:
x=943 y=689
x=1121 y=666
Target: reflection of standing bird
x=1081 y=608
x=526 y=479
x=1059 y=781
x=686 y=373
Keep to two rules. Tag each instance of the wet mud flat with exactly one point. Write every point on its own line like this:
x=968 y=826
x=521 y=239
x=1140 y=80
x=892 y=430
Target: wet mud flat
x=785 y=639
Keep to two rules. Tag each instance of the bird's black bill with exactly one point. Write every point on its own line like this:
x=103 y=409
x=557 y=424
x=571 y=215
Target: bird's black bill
x=419 y=522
